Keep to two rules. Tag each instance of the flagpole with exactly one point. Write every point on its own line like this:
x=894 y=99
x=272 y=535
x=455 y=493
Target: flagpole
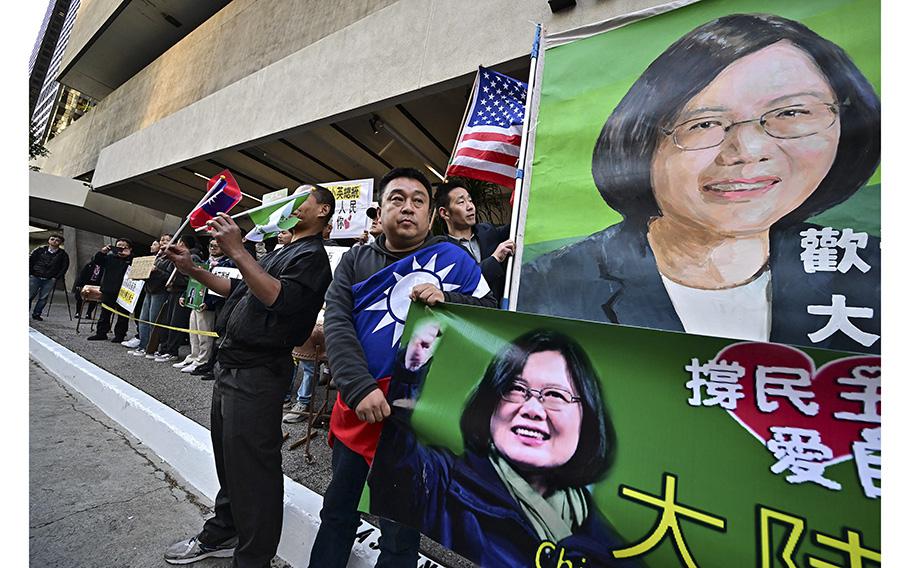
x=270 y=204
x=523 y=173
x=186 y=221
x=464 y=119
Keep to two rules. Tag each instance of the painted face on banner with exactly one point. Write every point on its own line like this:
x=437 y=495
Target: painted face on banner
x=530 y=434
x=421 y=346
x=749 y=180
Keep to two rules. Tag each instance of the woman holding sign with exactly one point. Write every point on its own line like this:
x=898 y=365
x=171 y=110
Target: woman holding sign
x=732 y=138
x=536 y=433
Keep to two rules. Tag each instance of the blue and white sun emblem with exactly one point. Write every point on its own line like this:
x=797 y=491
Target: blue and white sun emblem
x=395 y=301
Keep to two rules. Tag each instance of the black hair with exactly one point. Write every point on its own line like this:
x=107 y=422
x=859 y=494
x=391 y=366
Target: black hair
x=188 y=240
x=624 y=150
x=166 y=235
x=442 y=193
x=323 y=196
x=411 y=173
x=597 y=439
x=128 y=242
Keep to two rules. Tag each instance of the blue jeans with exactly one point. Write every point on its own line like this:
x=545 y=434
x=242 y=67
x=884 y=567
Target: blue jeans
x=398 y=544
x=41 y=287
x=305 y=391
x=150 y=308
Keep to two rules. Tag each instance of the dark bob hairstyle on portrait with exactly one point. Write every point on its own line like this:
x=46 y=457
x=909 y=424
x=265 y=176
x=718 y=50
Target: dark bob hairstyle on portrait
x=597 y=441
x=627 y=142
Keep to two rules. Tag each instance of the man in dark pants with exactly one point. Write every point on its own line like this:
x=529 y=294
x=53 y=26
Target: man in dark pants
x=115 y=260
x=178 y=316
x=265 y=315
x=406 y=215
x=45 y=265
x=490 y=245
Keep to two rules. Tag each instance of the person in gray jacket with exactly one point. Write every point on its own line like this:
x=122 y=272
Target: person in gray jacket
x=359 y=366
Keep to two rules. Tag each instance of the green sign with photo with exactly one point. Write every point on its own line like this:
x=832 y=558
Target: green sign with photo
x=537 y=441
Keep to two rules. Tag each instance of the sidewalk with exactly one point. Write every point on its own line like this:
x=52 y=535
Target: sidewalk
x=97 y=497
x=187 y=395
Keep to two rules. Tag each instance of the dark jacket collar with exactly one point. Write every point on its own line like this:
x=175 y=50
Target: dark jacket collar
x=632 y=292
x=379 y=246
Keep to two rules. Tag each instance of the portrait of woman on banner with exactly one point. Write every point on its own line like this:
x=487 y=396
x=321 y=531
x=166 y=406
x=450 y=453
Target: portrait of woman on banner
x=536 y=434
x=716 y=156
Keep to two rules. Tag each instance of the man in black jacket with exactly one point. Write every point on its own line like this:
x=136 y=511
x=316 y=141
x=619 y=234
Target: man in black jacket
x=406 y=214
x=45 y=265
x=265 y=315
x=489 y=244
x=115 y=261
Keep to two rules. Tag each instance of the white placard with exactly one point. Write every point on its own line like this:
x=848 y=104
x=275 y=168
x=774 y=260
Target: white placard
x=225 y=272
x=352 y=198
x=335 y=255
x=274 y=196
x=129 y=291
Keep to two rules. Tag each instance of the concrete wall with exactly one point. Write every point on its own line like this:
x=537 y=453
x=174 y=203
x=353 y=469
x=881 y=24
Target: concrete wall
x=226 y=83
x=244 y=37
x=92 y=15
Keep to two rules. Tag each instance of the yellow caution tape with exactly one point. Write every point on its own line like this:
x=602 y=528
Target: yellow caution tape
x=195 y=331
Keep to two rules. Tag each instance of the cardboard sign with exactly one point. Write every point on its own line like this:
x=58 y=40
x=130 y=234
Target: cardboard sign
x=142 y=267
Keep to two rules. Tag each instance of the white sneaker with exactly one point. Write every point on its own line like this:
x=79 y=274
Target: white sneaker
x=131 y=343
x=154 y=355
x=165 y=358
x=138 y=352
x=298 y=413
x=190 y=368
x=189 y=360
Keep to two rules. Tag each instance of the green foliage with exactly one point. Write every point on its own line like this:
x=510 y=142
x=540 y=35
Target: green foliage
x=35 y=145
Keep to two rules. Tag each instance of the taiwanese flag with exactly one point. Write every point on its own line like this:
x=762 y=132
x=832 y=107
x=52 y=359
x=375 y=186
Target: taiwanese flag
x=381 y=306
x=223 y=194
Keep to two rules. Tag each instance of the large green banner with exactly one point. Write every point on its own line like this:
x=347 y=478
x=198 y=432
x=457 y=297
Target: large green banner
x=714 y=170
x=526 y=440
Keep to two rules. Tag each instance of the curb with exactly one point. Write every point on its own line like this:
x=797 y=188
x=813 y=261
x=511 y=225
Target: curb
x=186 y=446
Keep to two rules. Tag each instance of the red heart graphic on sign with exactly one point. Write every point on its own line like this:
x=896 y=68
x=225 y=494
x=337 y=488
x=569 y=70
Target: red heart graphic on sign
x=769 y=361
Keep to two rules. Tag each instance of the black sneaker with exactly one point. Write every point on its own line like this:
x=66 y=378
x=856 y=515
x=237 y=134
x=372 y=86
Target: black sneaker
x=205 y=369
x=37 y=317
x=207 y=377
x=191 y=550
x=117 y=339
x=96 y=337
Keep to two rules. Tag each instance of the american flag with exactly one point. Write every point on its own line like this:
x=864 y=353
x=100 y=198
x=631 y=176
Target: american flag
x=489 y=142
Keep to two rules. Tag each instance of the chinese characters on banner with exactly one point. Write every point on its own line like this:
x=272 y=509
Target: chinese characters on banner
x=352 y=198
x=715 y=202
x=807 y=418
x=525 y=440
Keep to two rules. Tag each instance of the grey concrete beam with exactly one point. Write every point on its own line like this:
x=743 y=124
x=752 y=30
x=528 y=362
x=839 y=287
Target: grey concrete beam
x=398 y=50
x=72 y=203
